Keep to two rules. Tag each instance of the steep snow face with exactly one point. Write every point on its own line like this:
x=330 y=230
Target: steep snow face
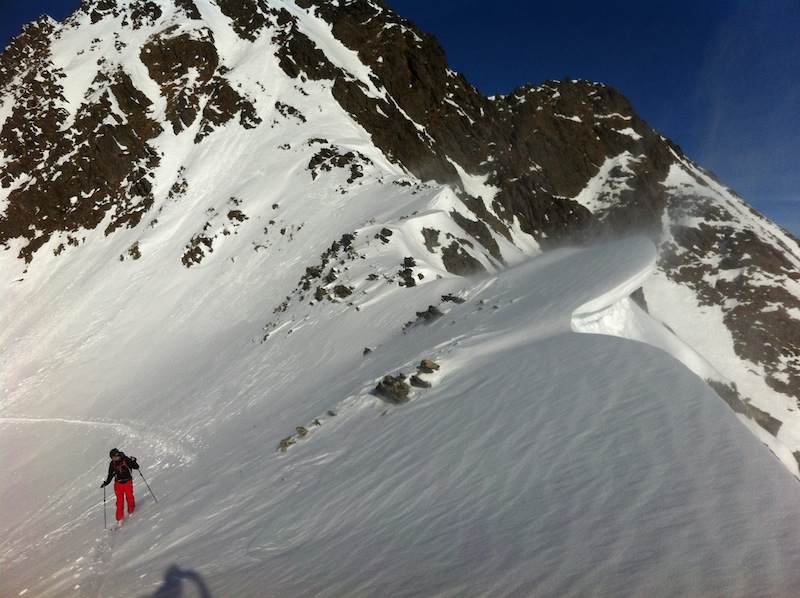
x=539 y=461
x=747 y=288
x=727 y=284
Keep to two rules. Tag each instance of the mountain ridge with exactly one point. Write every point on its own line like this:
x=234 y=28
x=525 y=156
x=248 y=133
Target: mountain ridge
x=535 y=151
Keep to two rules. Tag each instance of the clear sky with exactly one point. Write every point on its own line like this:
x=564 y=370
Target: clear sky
x=721 y=78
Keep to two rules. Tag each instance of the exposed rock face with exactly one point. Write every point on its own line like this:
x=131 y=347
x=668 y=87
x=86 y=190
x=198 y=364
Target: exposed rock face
x=174 y=60
x=64 y=180
x=169 y=59
x=526 y=146
x=70 y=162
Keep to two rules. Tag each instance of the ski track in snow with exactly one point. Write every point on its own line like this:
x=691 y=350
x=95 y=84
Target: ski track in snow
x=160 y=440
x=64 y=519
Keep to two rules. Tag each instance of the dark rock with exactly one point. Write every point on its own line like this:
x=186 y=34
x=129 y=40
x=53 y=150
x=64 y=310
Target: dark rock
x=419 y=382
x=249 y=17
x=144 y=12
x=431 y=237
x=458 y=261
x=93 y=175
x=393 y=390
x=427 y=366
x=342 y=291
x=169 y=58
x=328 y=158
x=430 y=314
x=407 y=278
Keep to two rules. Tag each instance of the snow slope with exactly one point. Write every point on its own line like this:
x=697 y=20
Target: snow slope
x=719 y=331
x=541 y=462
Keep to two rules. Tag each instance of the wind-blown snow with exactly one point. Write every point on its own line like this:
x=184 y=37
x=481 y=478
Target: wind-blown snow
x=541 y=462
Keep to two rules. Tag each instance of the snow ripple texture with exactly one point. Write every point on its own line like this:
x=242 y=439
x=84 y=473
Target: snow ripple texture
x=541 y=462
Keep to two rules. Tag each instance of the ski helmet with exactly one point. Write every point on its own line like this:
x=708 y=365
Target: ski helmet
x=114 y=453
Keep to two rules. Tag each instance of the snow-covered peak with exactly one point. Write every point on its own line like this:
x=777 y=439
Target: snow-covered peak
x=228 y=227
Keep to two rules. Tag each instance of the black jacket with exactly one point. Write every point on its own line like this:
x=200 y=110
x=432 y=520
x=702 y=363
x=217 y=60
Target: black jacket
x=121 y=470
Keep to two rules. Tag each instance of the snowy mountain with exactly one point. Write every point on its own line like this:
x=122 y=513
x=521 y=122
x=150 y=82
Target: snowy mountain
x=233 y=231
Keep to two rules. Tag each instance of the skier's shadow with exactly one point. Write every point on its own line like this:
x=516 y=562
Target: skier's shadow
x=176 y=580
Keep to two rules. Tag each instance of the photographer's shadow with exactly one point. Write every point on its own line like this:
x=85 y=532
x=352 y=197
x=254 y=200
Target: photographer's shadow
x=176 y=580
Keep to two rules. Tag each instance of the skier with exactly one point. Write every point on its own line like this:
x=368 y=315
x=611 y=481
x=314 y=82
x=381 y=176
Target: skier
x=120 y=468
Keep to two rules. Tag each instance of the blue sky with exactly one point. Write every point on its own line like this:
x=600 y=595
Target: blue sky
x=721 y=78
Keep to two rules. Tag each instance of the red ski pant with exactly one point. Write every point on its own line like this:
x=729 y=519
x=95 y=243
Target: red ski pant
x=124 y=492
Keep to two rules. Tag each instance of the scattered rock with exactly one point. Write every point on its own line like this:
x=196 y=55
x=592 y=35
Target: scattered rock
x=393 y=390
x=430 y=314
x=328 y=158
x=290 y=111
x=428 y=366
x=458 y=261
x=431 y=237
x=194 y=253
x=302 y=432
x=384 y=235
x=407 y=278
x=342 y=291
x=419 y=382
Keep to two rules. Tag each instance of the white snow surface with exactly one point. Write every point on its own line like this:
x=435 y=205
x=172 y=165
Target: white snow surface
x=541 y=462
x=568 y=445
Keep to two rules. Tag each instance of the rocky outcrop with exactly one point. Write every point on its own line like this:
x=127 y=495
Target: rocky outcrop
x=101 y=163
x=186 y=67
x=396 y=391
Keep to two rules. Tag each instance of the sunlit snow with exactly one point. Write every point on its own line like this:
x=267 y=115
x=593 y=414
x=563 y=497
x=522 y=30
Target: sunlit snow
x=541 y=461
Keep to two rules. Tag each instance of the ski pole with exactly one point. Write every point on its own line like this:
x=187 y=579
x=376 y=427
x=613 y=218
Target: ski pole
x=148 y=485
x=105 y=522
